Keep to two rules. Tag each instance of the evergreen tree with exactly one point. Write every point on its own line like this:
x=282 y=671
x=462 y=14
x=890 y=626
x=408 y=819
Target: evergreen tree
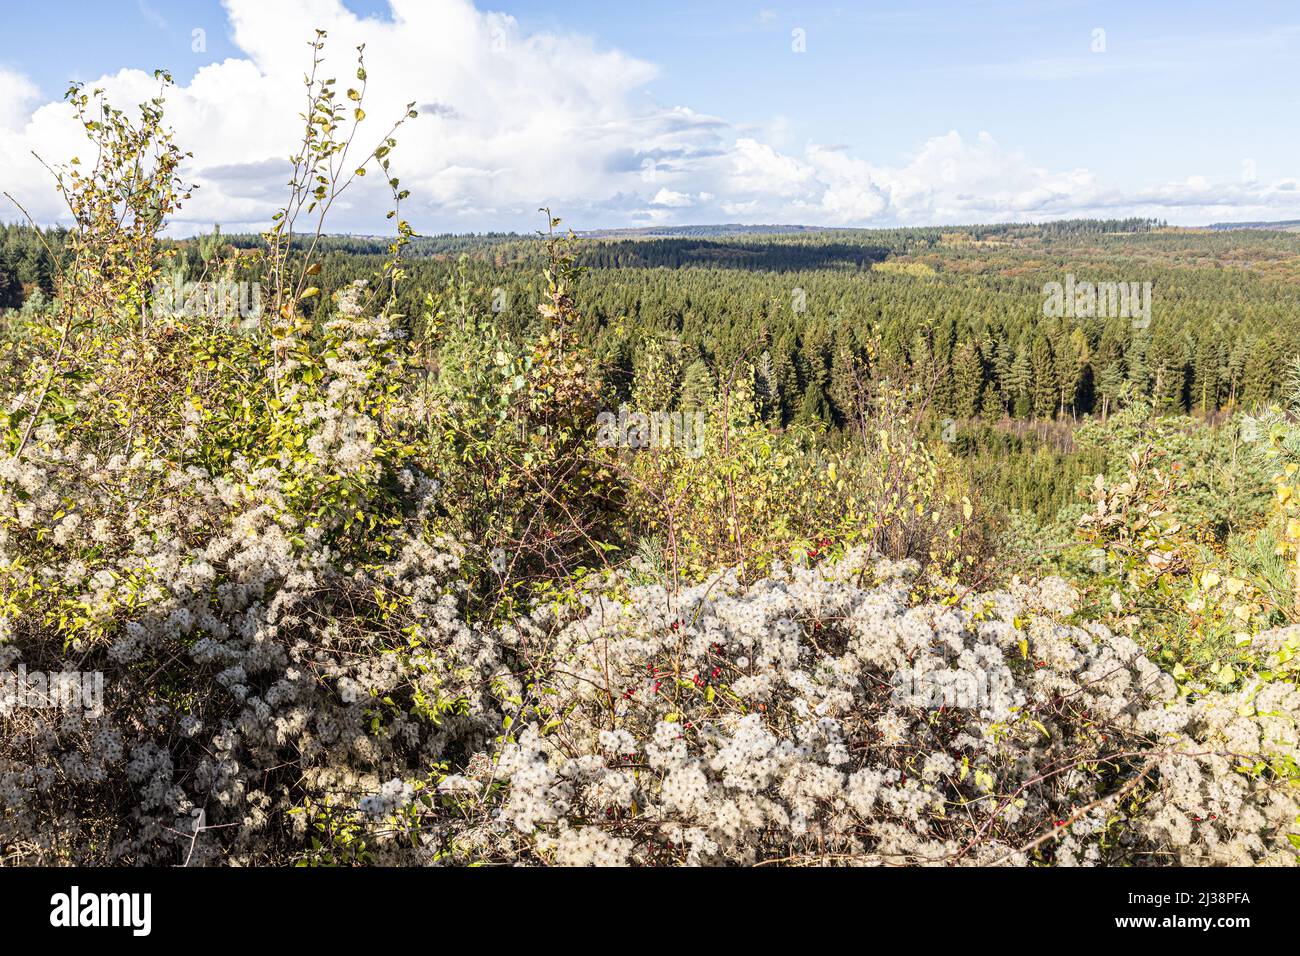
x=968 y=380
x=698 y=389
x=11 y=290
x=1109 y=383
x=767 y=398
x=1020 y=383
x=1045 y=389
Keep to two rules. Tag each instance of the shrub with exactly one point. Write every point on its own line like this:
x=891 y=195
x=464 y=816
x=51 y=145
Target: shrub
x=816 y=716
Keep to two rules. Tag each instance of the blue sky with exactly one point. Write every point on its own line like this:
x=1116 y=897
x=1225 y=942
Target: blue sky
x=1183 y=87
x=894 y=112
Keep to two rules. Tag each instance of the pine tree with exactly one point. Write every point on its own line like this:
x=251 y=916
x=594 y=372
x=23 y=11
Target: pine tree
x=767 y=397
x=942 y=355
x=1135 y=358
x=1020 y=383
x=968 y=380
x=848 y=373
x=1205 y=372
x=1236 y=370
x=1080 y=389
x=814 y=408
x=1167 y=360
x=999 y=395
x=1109 y=383
x=698 y=390
x=1261 y=374
x=1045 y=390
x=1065 y=369
x=786 y=377
x=11 y=290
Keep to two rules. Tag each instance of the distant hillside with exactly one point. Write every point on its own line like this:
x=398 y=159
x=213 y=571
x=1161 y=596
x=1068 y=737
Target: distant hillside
x=697 y=232
x=1053 y=228
x=1280 y=225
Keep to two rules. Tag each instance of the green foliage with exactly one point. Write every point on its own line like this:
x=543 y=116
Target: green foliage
x=509 y=423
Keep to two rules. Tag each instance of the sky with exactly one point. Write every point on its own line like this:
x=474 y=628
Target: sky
x=630 y=113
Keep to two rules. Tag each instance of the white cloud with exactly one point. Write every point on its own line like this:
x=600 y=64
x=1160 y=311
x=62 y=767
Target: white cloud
x=667 y=197
x=511 y=121
x=17 y=95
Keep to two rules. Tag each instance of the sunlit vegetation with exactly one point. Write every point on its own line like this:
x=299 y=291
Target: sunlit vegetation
x=931 y=578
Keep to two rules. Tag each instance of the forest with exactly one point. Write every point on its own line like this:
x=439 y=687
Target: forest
x=809 y=547
x=964 y=307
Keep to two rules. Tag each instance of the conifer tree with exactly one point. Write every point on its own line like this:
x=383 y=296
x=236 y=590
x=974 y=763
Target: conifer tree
x=968 y=380
x=698 y=389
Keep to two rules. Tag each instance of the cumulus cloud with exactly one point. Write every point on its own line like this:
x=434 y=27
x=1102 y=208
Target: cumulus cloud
x=511 y=121
x=667 y=197
x=17 y=96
